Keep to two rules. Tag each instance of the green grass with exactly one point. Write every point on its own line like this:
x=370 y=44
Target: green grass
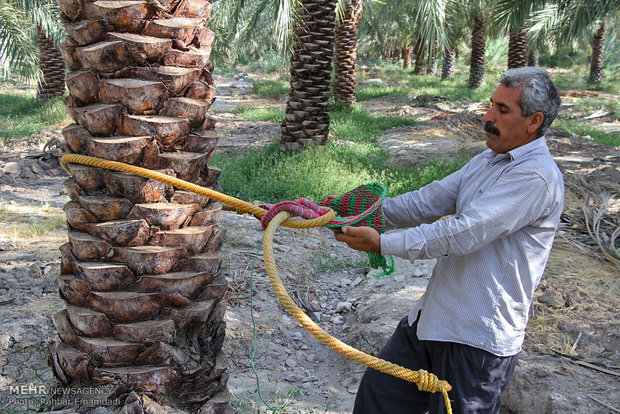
x=358 y=125
x=261 y=114
x=408 y=84
x=594 y=104
x=351 y=158
x=456 y=89
x=21 y=115
x=576 y=77
x=403 y=83
x=595 y=134
x=372 y=90
x=271 y=88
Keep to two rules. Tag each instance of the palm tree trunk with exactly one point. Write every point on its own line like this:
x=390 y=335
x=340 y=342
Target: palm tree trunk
x=306 y=121
x=532 y=57
x=598 y=46
x=419 y=50
x=478 y=45
x=345 y=53
x=449 y=59
x=407 y=55
x=431 y=69
x=517 y=49
x=140 y=275
x=52 y=68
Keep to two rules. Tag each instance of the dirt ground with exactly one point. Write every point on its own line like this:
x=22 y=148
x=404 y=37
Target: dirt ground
x=571 y=357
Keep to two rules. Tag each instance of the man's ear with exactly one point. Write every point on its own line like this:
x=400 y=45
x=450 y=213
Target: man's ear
x=534 y=122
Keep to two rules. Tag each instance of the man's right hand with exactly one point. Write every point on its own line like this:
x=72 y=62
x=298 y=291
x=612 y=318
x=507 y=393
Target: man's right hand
x=365 y=239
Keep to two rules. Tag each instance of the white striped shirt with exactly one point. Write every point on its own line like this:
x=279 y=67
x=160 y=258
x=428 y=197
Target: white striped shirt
x=490 y=254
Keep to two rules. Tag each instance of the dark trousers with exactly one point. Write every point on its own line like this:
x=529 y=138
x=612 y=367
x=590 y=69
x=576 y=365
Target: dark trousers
x=477 y=377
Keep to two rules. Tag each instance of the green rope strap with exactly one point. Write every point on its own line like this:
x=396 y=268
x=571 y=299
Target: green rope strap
x=362 y=207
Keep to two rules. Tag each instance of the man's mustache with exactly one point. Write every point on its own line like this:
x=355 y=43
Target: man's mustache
x=491 y=129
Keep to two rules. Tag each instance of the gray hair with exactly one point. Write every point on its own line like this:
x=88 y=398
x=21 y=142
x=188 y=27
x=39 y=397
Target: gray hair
x=538 y=93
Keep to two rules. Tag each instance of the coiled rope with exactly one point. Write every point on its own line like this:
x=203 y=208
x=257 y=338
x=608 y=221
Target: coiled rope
x=424 y=380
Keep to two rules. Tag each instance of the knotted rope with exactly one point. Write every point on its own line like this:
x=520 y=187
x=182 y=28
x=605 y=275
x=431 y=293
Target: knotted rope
x=359 y=207
x=423 y=379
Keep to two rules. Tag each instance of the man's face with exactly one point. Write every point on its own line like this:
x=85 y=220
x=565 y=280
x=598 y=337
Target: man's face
x=505 y=127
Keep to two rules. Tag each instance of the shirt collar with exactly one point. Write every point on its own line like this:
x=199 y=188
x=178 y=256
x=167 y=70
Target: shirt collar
x=527 y=148
x=518 y=152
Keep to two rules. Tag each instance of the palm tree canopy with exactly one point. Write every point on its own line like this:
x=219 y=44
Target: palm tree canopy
x=511 y=15
x=408 y=21
x=577 y=17
x=19 y=20
x=247 y=23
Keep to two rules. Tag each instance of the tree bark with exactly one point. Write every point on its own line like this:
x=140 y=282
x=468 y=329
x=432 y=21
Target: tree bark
x=420 y=53
x=140 y=275
x=598 y=46
x=478 y=46
x=431 y=69
x=517 y=49
x=52 y=68
x=532 y=57
x=449 y=59
x=407 y=56
x=306 y=121
x=345 y=53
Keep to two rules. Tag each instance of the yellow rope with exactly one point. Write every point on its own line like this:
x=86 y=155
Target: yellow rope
x=423 y=379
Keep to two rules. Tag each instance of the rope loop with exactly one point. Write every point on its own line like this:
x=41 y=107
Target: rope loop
x=302 y=207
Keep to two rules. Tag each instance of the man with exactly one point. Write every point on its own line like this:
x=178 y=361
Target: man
x=504 y=208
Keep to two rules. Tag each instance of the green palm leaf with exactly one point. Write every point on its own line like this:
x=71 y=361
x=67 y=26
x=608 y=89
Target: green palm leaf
x=18 y=52
x=18 y=23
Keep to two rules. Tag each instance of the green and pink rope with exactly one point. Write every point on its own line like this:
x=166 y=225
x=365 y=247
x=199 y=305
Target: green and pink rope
x=358 y=207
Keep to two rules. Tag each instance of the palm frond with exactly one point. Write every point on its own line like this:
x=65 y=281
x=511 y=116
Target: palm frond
x=456 y=24
x=543 y=25
x=370 y=33
x=18 y=52
x=46 y=14
x=431 y=21
x=286 y=14
x=577 y=17
x=406 y=21
x=511 y=15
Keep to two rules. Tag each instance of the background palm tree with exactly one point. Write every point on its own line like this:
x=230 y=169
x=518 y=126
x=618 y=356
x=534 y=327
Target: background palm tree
x=565 y=23
x=303 y=30
x=378 y=32
x=419 y=51
x=516 y=19
x=431 y=67
x=478 y=14
x=456 y=29
x=306 y=121
x=407 y=55
x=30 y=31
x=345 y=53
x=517 y=48
x=140 y=275
x=580 y=17
x=253 y=29
x=598 y=46
x=419 y=25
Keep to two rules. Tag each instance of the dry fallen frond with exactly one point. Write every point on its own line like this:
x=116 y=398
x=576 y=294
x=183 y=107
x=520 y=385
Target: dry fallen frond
x=596 y=224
